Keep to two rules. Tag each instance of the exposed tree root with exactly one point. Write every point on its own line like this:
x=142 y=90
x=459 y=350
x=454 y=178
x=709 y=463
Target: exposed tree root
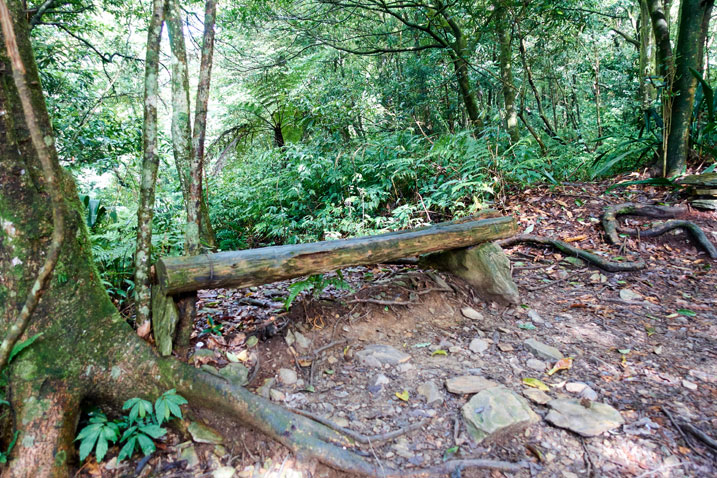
x=697 y=233
x=609 y=217
x=575 y=252
x=451 y=467
x=363 y=439
x=609 y=223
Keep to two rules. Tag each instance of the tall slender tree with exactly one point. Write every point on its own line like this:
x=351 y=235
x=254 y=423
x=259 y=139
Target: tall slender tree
x=150 y=163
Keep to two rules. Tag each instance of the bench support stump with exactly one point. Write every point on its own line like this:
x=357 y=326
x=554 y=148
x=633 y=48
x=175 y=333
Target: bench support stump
x=485 y=267
x=165 y=316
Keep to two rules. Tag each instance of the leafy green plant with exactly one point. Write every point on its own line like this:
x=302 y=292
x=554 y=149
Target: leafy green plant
x=316 y=283
x=97 y=435
x=212 y=328
x=139 y=428
x=4 y=455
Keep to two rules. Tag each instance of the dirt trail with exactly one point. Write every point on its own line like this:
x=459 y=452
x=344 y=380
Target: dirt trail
x=645 y=342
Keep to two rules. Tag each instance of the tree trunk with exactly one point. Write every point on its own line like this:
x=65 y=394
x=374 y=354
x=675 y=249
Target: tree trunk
x=182 y=147
x=646 y=92
x=200 y=126
x=661 y=30
x=596 y=90
x=529 y=76
x=505 y=38
x=150 y=162
x=694 y=14
x=459 y=56
x=86 y=350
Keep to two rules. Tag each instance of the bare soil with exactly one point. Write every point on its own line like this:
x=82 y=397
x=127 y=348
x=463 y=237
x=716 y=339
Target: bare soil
x=647 y=357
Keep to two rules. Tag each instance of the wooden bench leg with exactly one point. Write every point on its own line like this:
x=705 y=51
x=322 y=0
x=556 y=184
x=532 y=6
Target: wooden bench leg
x=187 y=306
x=485 y=267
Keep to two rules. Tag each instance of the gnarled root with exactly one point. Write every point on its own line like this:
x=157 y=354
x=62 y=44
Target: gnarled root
x=566 y=248
x=609 y=223
x=609 y=217
x=698 y=235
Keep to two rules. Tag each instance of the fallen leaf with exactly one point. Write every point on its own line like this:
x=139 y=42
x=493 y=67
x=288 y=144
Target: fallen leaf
x=581 y=237
x=232 y=357
x=535 y=383
x=403 y=395
x=439 y=352
x=562 y=364
x=252 y=341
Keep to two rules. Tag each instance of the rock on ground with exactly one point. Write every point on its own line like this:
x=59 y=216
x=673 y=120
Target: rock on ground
x=586 y=421
x=431 y=392
x=539 y=349
x=376 y=355
x=537 y=396
x=287 y=376
x=496 y=414
x=478 y=346
x=466 y=384
x=471 y=313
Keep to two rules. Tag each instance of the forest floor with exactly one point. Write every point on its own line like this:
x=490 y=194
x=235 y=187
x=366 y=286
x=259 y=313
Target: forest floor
x=650 y=352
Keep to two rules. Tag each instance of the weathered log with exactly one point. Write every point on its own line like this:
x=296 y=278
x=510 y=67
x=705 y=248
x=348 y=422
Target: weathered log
x=485 y=267
x=270 y=264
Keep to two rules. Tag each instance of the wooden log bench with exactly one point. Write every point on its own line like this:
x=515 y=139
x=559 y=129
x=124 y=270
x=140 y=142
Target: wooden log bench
x=463 y=247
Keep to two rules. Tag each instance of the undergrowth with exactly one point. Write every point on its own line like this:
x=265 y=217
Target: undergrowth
x=307 y=191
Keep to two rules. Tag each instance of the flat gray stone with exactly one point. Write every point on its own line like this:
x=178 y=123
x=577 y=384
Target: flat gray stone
x=204 y=434
x=535 y=317
x=496 y=414
x=381 y=355
x=431 y=392
x=287 y=376
x=264 y=390
x=276 y=395
x=235 y=373
x=471 y=313
x=583 y=390
x=536 y=364
x=381 y=379
x=301 y=341
x=586 y=421
x=539 y=349
x=478 y=346
x=537 y=396
x=466 y=384
x=190 y=454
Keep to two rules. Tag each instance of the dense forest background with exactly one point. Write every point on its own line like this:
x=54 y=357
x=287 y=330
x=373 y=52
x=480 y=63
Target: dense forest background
x=337 y=118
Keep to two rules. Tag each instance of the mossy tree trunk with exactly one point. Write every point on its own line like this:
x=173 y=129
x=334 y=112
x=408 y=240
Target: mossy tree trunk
x=505 y=38
x=150 y=163
x=86 y=350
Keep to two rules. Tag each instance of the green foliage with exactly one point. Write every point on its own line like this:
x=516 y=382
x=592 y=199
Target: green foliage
x=309 y=192
x=138 y=429
x=212 y=328
x=97 y=435
x=316 y=283
x=4 y=455
x=20 y=346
